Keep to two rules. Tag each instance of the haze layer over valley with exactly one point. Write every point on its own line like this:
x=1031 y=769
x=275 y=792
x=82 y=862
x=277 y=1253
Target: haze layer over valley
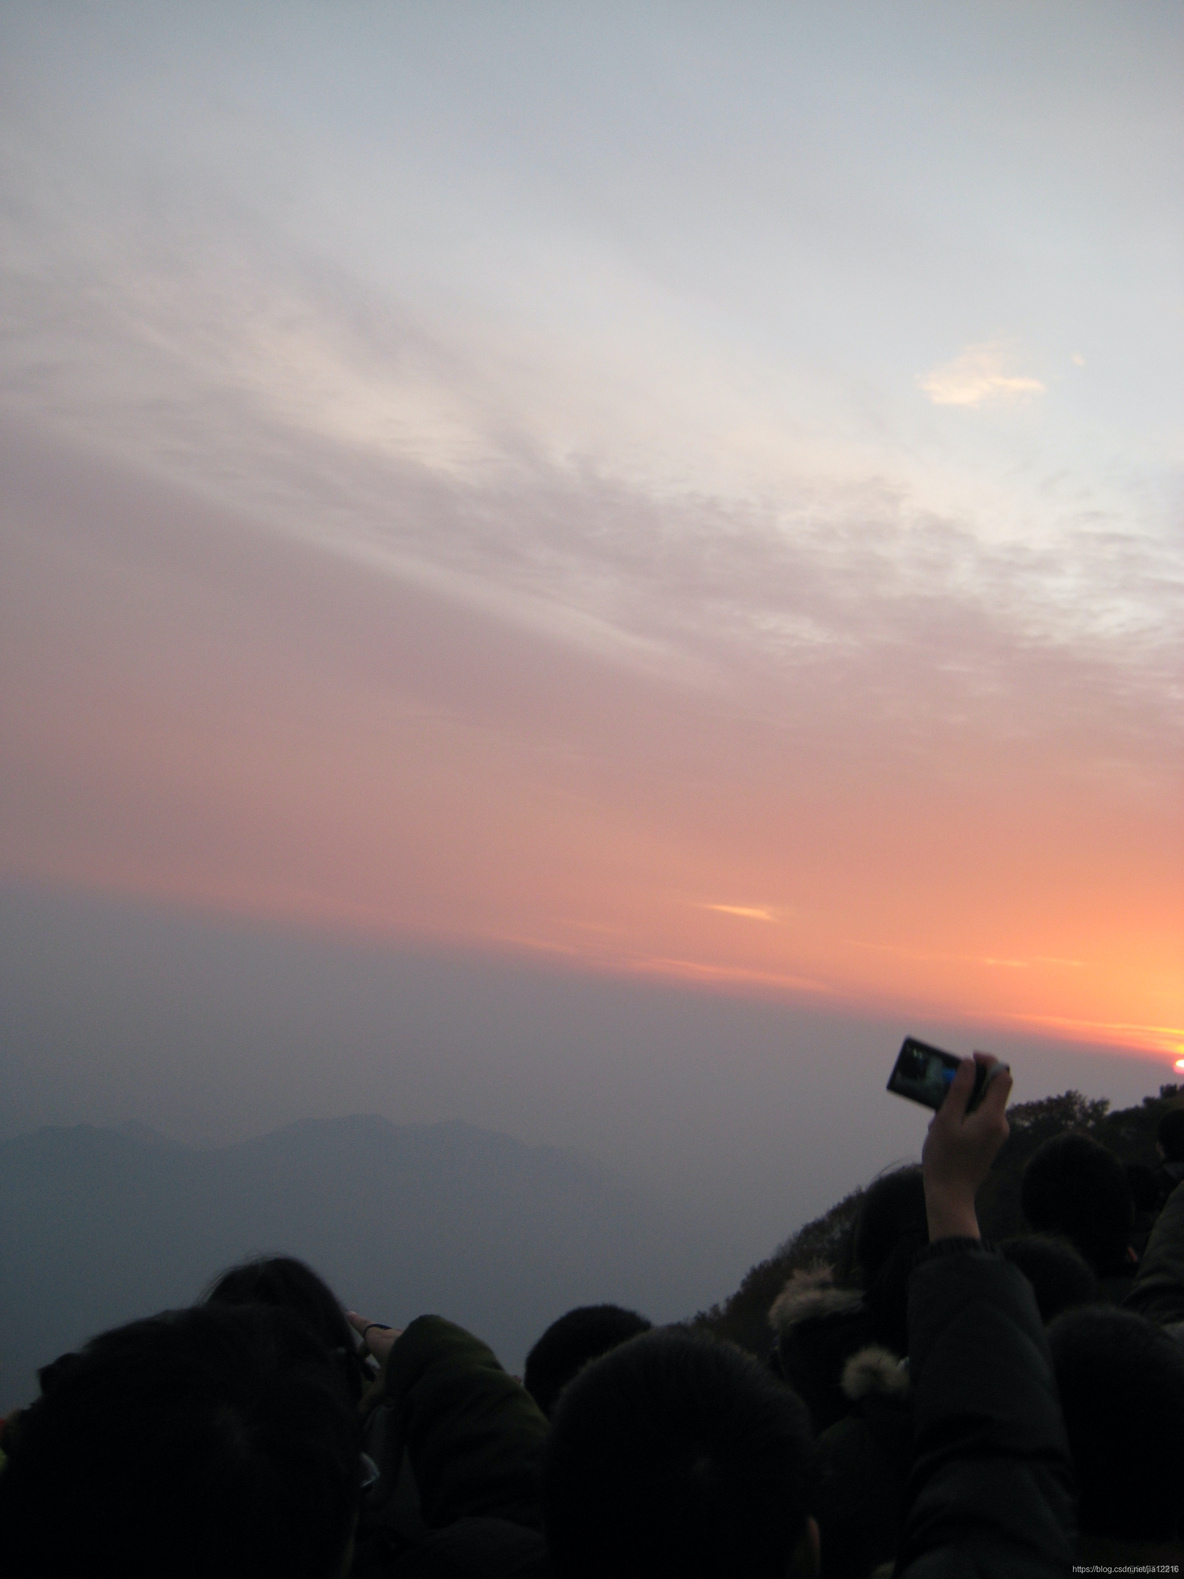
x=99 y=1226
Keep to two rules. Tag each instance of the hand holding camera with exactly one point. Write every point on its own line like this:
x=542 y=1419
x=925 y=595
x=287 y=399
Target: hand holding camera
x=962 y=1144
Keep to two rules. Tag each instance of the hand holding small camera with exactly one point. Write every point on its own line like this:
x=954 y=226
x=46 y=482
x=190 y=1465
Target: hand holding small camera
x=378 y=1339
x=960 y=1147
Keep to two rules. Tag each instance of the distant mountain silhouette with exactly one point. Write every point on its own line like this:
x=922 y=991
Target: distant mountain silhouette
x=134 y=1129
x=98 y=1226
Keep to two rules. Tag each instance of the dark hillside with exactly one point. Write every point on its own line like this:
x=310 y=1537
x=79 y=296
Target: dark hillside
x=1129 y=1133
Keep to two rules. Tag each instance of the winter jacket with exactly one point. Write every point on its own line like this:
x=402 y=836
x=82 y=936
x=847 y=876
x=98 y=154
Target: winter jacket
x=991 y=1489
x=819 y=1326
x=459 y=1444
x=1158 y=1289
x=1167 y=1177
x=863 y=1466
x=477 y=1549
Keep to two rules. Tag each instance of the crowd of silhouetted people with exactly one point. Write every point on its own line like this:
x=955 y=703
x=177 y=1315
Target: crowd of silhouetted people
x=932 y=1406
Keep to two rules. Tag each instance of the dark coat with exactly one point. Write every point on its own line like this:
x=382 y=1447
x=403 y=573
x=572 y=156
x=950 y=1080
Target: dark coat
x=819 y=1326
x=459 y=1446
x=1168 y=1176
x=991 y=1487
x=1157 y=1291
x=863 y=1467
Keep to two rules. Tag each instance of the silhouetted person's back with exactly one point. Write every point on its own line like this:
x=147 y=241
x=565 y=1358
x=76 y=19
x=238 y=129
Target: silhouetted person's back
x=1121 y=1384
x=889 y=1231
x=205 y=1442
x=1169 y=1137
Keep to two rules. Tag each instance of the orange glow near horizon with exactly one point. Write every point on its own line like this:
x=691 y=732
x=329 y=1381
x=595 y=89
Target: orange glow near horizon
x=273 y=734
x=604 y=949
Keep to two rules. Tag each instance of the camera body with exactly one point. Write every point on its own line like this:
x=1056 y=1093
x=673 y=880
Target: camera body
x=924 y=1074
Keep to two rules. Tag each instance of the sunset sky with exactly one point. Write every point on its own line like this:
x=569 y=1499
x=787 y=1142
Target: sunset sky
x=679 y=492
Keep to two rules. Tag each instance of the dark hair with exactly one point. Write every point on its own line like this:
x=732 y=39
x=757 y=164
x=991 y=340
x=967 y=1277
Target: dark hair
x=288 y=1284
x=1075 y=1187
x=197 y=1442
x=568 y=1344
x=1060 y=1276
x=890 y=1229
x=676 y=1455
x=1170 y=1134
x=1121 y=1381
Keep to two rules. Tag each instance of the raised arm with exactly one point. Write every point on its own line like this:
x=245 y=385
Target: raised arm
x=991 y=1491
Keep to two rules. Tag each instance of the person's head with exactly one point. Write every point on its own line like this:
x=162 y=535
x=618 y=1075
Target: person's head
x=1121 y=1381
x=568 y=1344
x=676 y=1455
x=889 y=1230
x=1170 y=1135
x=288 y=1284
x=198 y=1442
x=1075 y=1187
x=1060 y=1276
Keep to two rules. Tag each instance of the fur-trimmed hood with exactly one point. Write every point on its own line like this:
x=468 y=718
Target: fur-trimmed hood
x=875 y=1371
x=809 y=1295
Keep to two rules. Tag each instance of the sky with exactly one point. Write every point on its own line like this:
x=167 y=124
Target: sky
x=668 y=499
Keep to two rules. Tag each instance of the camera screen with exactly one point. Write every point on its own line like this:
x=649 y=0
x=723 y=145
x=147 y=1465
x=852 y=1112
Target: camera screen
x=923 y=1073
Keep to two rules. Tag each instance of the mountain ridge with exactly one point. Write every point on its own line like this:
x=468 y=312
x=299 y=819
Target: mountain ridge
x=98 y=1226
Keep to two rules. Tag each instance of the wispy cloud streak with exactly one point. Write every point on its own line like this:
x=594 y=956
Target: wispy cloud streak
x=981 y=375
